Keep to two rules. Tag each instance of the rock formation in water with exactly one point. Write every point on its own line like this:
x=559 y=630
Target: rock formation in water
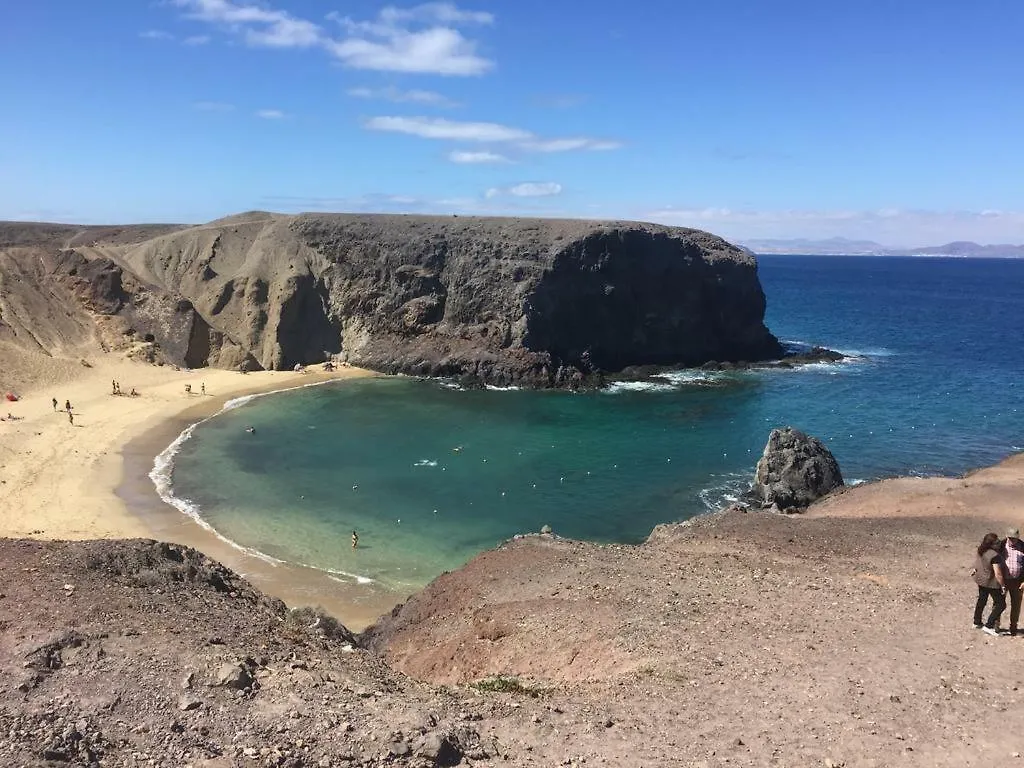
x=505 y=301
x=794 y=471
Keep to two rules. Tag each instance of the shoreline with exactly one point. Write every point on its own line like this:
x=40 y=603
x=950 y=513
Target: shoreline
x=90 y=479
x=354 y=605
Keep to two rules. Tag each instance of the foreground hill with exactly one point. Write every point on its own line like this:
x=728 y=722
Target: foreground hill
x=507 y=301
x=839 y=638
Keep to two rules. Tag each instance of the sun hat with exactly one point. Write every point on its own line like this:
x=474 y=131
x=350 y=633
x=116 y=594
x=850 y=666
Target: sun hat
x=1013 y=533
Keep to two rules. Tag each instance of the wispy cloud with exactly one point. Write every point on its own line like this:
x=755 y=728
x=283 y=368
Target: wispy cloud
x=258 y=25
x=464 y=157
x=271 y=114
x=439 y=50
x=493 y=133
x=570 y=145
x=439 y=13
x=195 y=40
x=526 y=189
x=213 y=106
x=399 y=96
x=423 y=39
x=156 y=34
x=894 y=227
x=400 y=203
x=440 y=128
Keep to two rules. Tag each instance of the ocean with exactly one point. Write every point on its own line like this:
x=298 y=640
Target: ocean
x=429 y=474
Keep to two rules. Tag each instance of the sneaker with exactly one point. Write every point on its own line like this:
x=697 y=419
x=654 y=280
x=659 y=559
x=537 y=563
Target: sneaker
x=978 y=626
x=990 y=631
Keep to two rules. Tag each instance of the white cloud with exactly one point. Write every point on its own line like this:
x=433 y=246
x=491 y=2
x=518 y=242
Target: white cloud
x=213 y=106
x=195 y=40
x=894 y=227
x=464 y=157
x=439 y=50
x=439 y=128
x=570 y=145
x=271 y=114
x=399 y=203
x=156 y=34
x=495 y=133
x=258 y=25
x=440 y=13
x=421 y=39
x=526 y=189
x=399 y=96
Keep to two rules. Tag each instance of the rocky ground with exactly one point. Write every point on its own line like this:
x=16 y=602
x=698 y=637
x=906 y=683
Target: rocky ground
x=841 y=637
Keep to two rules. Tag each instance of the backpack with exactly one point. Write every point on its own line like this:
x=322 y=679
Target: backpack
x=983 y=570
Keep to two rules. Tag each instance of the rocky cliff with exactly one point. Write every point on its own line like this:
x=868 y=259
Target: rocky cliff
x=505 y=301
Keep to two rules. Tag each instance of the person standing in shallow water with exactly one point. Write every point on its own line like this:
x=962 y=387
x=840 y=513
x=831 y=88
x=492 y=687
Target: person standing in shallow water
x=988 y=575
x=355 y=539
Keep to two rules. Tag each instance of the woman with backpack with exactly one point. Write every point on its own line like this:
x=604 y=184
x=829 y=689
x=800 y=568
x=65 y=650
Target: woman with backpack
x=989 y=577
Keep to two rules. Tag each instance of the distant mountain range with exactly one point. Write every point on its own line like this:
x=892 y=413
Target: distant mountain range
x=836 y=246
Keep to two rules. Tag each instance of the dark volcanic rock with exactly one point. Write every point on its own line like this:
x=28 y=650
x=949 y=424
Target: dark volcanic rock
x=794 y=471
x=532 y=302
x=504 y=301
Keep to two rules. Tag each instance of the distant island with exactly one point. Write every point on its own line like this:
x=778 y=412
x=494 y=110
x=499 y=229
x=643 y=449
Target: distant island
x=841 y=246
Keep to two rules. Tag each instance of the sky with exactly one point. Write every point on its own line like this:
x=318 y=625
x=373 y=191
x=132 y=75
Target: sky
x=901 y=122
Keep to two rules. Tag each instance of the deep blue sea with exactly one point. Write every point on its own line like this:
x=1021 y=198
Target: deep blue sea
x=429 y=475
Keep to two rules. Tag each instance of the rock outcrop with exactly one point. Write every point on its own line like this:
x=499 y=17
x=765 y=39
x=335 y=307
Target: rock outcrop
x=505 y=301
x=794 y=471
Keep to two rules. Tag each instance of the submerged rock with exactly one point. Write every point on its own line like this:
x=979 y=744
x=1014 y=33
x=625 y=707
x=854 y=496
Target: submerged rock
x=794 y=471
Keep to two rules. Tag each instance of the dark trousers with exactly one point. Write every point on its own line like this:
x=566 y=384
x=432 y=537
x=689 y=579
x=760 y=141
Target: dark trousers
x=1013 y=591
x=998 y=604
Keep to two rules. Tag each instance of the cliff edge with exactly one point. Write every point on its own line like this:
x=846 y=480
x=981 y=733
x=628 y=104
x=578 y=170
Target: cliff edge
x=532 y=302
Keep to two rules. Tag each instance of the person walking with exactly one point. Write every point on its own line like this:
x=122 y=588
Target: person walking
x=989 y=578
x=71 y=418
x=1012 y=558
x=55 y=403
x=67 y=406
x=355 y=539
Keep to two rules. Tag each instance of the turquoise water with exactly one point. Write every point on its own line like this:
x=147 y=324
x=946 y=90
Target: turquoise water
x=429 y=475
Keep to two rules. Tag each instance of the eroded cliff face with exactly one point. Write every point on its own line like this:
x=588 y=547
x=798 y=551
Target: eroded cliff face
x=503 y=301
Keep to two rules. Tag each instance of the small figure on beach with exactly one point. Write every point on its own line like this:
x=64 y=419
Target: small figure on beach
x=133 y=393
x=55 y=403
x=989 y=578
x=67 y=406
x=115 y=387
x=355 y=539
x=1012 y=562
x=71 y=418
x=202 y=388
x=188 y=389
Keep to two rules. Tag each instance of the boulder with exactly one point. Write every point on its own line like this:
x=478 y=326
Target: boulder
x=794 y=471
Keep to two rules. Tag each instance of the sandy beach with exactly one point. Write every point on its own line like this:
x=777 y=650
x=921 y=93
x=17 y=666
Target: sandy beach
x=89 y=479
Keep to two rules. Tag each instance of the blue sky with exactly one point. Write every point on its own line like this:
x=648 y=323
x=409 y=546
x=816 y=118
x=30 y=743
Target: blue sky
x=897 y=121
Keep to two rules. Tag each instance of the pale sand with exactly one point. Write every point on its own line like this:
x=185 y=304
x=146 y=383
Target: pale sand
x=63 y=481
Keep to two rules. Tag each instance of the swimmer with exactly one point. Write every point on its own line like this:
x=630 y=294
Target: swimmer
x=250 y=430
x=355 y=539
x=457 y=449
